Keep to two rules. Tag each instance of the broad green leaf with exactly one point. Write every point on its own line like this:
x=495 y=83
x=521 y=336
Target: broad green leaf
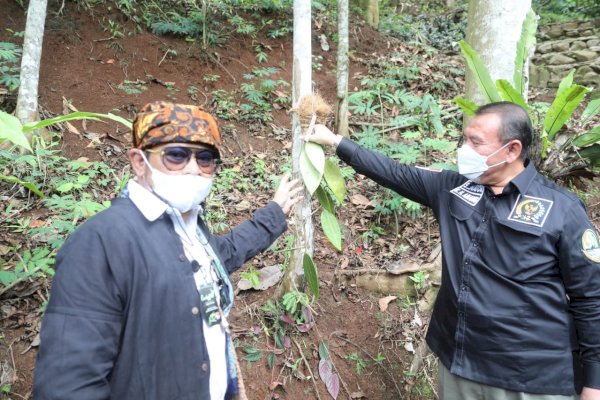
x=480 y=73
x=335 y=180
x=509 y=93
x=591 y=153
x=310 y=176
x=562 y=108
x=591 y=110
x=565 y=83
x=316 y=156
x=588 y=138
x=310 y=272
x=28 y=185
x=526 y=41
x=324 y=199
x=12 y=130
x=74 y=116
x=332 y=230
x=468 y=107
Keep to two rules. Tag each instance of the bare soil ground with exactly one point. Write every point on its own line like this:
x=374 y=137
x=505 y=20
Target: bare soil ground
x=79 y=67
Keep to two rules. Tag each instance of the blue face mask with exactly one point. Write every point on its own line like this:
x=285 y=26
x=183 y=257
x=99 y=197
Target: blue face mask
x=472 y=164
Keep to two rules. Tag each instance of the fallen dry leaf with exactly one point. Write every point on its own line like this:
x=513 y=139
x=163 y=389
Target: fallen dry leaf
x=385 y=301
x=360 y=200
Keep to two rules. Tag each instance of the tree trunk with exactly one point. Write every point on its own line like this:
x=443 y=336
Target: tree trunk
x=493 y=29
x=371 y=12
x=27 y=100
x=341 y=109
x=301 y=85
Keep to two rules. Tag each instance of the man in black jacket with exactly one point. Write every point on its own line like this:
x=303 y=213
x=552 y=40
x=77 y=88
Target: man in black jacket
x=139 y=302
x=519 y=303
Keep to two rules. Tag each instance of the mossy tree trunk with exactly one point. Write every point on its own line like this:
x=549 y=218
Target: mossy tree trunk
x=27 y=100
x=301 y=225
x=493 y=29
x=341 y=109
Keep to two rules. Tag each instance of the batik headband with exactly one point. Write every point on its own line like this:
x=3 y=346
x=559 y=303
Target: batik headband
x=162 y=122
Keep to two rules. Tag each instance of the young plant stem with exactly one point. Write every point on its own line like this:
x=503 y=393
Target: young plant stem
x=372 y=359
x=308 y=367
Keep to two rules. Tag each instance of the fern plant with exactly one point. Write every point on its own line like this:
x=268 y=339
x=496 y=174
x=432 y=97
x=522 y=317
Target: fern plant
x=10 y=55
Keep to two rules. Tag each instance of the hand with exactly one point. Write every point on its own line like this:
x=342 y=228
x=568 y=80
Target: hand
x=288 y=193
x=322 y=135
x=590 y=394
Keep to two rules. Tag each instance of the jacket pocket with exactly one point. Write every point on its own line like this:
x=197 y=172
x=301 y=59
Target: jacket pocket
x=459 y=209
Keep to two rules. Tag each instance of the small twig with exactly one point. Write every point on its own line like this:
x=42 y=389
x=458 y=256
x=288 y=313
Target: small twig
x=308 y=367
x=164 y=56
x=104 y=39
x=216 y=61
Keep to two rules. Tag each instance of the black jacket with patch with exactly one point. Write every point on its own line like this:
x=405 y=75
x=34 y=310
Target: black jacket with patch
x=519 y=302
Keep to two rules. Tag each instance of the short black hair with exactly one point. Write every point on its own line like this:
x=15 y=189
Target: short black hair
x=514 y=123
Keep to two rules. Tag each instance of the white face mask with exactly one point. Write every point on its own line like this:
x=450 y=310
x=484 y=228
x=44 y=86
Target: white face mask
x=471 y=164
x=182 y=192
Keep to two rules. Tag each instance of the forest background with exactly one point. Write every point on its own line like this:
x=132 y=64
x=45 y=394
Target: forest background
x=363 y=336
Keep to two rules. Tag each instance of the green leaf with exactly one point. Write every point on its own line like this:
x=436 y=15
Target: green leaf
x=324 y=199
x=32 y=126
x=323 y=350
x=27 y=185
x=332 y=230
x=526 y=41
x=335 y=180
x=562 y=108
x=590 y=111
x=310 y=272
x=468 y=107
x=65 y=187
x=588 y=138
x=316 y=156
x=565 y=83
x=312 y=160
x=509 y=93
x=12 y=130
x=591 y=153
x=480 y=73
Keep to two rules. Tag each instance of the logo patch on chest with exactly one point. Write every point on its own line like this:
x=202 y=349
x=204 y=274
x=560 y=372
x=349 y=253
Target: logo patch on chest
x=530 y=210
x=469 y=192
x=590 y=245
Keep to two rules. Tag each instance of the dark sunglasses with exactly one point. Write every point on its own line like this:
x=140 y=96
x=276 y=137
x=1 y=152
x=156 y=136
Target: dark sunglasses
x=175 y=158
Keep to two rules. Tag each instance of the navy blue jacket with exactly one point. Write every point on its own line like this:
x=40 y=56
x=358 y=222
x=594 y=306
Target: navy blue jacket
x=122 y=321
x=519 y=302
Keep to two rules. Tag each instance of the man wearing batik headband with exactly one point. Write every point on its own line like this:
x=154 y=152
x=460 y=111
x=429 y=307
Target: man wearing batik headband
x=139 y=302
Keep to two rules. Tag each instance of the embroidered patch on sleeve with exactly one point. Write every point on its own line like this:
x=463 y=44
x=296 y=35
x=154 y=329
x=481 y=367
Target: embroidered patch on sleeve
x=530 y=210
x=470 y=192
x=590 y=245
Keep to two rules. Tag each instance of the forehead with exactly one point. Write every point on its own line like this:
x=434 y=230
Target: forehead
x=485 y=127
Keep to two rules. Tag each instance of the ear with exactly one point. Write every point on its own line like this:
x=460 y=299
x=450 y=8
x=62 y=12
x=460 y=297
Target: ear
x=514 y=151
x=137 y=163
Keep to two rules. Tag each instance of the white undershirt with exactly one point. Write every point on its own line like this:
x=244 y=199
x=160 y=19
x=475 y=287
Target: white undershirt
x=214 y=336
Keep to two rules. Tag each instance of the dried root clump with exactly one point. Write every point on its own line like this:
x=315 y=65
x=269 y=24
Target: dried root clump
x=312 y=104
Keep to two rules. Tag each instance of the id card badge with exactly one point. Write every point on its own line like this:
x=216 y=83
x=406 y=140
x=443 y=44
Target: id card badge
x=208 y=304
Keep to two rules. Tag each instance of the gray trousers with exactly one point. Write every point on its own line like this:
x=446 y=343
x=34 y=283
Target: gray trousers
x=452 y=387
